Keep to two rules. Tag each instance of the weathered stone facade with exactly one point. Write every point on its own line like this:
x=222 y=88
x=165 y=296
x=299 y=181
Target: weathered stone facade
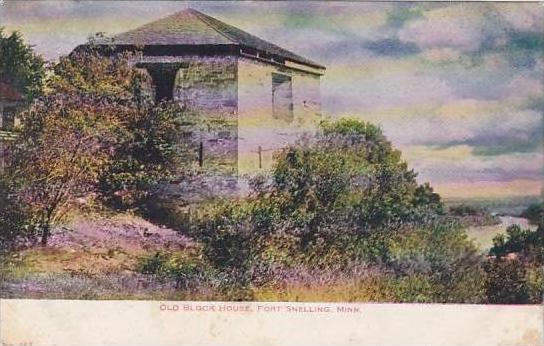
x=235 y=98
x=253 y=96
x=207 y=86
x=257 y=125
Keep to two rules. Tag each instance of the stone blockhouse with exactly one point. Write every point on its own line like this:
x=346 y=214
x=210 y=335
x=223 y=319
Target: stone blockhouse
x=256 y=96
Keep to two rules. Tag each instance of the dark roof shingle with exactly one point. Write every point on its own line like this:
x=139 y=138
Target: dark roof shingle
x=191 y=27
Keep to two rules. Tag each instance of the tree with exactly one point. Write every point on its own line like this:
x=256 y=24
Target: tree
x=534 y=213
x=526 y=243
x=150 y=152
x=325 y=197
x=20 y=66
x=65 y=141
x=92 y=120
x=353 y=166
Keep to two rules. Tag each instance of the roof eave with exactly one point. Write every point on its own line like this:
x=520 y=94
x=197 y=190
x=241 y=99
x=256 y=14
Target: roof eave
x=212 y=49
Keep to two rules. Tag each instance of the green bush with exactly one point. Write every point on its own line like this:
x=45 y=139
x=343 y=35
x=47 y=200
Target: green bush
x=535 y=284
x=442 y=257
x=149 y=151
x=534 y=213
x=506 y=282
x=345 y=198
x=514 y=273
x=15 y=223
x=526 y=243
x=187 y=270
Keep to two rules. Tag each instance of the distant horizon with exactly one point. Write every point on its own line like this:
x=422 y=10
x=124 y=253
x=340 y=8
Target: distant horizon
x=457 y=87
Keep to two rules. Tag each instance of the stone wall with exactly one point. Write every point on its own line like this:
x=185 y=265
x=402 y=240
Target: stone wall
x=241 y=132
x=257 y=125
x=207 y=86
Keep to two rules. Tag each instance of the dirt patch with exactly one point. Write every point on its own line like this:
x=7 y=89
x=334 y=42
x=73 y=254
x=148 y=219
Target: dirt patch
x=128 y=234
x=102 y=245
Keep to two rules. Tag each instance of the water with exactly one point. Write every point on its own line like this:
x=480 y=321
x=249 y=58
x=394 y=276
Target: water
x=507 y=221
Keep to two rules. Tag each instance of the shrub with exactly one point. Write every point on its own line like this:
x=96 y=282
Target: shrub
x=514 y=275
x=535 y=284
x=15 y=225
x=506 y=282
x=231 y=233
x=534 y=213
x=150 y=151
x=440 y=256
x=524 y=242
x=188 y=270
x=343 y=199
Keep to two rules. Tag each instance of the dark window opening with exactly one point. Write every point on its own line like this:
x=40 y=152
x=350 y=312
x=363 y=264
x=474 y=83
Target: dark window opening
x=282 y=97
x=164 y=77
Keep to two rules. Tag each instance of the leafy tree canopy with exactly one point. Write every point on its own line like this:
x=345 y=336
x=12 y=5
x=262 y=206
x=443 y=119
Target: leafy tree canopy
x=93 y=131
x=20 y=66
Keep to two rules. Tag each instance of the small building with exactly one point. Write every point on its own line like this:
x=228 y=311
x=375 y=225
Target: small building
x=260 y=95
x=11 y=102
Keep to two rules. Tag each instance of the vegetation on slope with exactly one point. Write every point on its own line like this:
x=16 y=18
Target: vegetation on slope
x=339 y=217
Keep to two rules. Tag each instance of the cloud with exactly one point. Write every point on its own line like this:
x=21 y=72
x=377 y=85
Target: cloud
x=490 y=128
x=449 y=27
x=457 y=86
x=478 y=27
x=459 y=164
x=392 y=47
x=399 y=15
x=522 y=16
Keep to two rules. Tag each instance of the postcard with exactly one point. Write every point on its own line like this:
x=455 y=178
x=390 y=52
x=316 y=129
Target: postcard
x=271 y=173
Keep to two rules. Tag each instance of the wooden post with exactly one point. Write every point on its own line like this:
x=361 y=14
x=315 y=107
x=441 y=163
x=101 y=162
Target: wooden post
x=260 y=157
x=201 y=154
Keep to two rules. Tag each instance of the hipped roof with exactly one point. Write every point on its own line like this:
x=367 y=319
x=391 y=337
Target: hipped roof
x=193 y=28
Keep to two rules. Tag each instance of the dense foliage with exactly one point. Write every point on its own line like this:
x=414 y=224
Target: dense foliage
x=13 y=216
x=534 y=213
x=20 y=67
x=523 y=242
x=93 y=132
x=514 y=273
x=342 y=200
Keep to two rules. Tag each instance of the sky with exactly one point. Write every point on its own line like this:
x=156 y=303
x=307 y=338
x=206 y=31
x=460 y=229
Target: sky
x=458 y=87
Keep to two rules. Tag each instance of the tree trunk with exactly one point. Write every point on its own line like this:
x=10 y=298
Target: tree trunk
x=45 y=234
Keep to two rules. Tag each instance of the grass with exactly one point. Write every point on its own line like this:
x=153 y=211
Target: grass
x=83 y=266
x=364 y=290
x=483 y=236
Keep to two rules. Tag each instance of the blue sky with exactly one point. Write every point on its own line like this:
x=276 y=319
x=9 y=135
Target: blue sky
x=458 y=87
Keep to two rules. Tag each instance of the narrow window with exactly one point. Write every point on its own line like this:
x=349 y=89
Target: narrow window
x=282 y=97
